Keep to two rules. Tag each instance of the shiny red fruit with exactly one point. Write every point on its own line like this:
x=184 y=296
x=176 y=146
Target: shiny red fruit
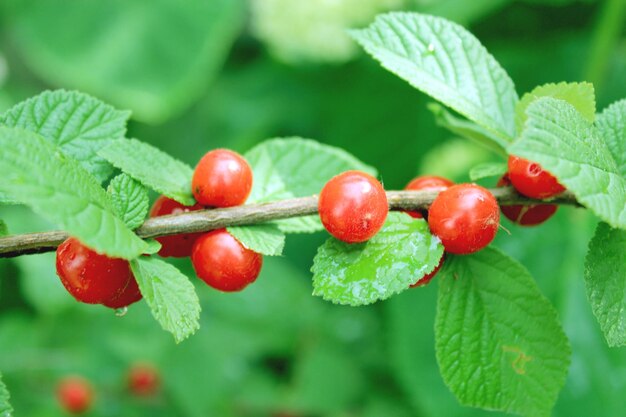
x=222 y=178
x=427 y=182
x=531 y=180
x=143 y=379
x=353 y=206
x=129 y=295
x=75 y=394
x=176 y=246
x=224 y=263
x=465 y=217
x=530 y=215
x=89 y=276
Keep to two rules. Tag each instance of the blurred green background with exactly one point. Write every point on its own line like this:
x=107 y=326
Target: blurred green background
x=229 y=73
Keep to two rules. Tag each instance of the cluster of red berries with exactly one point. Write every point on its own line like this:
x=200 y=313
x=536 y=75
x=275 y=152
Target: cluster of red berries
x=222 y=178
x=76 y=394
x=465 y=217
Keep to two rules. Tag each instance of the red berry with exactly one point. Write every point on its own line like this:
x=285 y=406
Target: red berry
x=129 y=295
x=427 y=182
x=465 y=217
x=224 y=263
x=222 y=178
x=75 y=394
x=143 y=379
x=353 y=206
x=428 y=277
x=530 y=215
x=89 y=276
x=176 y=246
x=531 y=180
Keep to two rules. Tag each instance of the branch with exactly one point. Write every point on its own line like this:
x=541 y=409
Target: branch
x=205 y=220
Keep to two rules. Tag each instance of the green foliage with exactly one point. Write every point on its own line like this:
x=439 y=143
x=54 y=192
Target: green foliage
x=4 y=230
x=499 y=343
x=559 y=138
x=445 y=61
x=35 y=173
x=605 y=278
x=265 y=238
x=153 y=168
x=76 y=123
x=580 y=95
x=170 y=295
x=401 y=253
x=488 y=169
x=5 y=408
x=153 y=60
x=129 y=199
x=611 y=124
x=295 y=167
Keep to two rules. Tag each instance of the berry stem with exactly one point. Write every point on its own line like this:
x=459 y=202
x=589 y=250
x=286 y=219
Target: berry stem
x=205 y=220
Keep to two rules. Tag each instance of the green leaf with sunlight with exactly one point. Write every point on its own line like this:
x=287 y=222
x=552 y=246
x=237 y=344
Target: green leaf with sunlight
x=153 y=58
x=611 y=124
x=580 y=95
x=286 y=168
x=5 y=408
x=566 y=144
x=76 y=123
x=57 y=188
x=605 y=279
x=170 y=295
x=130 y=200
x=488 y=169
x=153 y=168
x=448 y=63
x=499 y=343
x=266 y=238
x=401 y=253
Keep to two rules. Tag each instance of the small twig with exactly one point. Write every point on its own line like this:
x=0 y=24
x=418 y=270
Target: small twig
x=205 y=220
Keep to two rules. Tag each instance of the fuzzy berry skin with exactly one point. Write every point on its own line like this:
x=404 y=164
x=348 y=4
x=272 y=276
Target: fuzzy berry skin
x=353 y=206
x=75 y=394
x=176 y=246
x=427 y=182
x=143 y=380
x=224 y=263
x=90 y=277
x=428 y=277
x=129 y=295
x=222 y=178
x=531 y=180
x=465 y=217
x=530 y=215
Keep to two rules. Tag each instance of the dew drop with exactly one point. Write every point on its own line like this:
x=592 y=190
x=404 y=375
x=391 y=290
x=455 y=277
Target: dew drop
x=121 y=312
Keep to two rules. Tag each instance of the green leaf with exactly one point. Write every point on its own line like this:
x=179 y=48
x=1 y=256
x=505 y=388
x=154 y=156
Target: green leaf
x=153 y=168
x=445 y=61
x=170 y=295
x=564 y=143
x=153 y=247
x=266 y=239
x=499 y=343
x=488 y=169
x=57 y=188
x=155 y=59
x=5 y=408
x=76 y=123
x=4 y=230
x=402 y=252
x=605 y=278
x=580 y=95
x=294 y=167
x=130 y=200
x=468 y=130
x=611 y=125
